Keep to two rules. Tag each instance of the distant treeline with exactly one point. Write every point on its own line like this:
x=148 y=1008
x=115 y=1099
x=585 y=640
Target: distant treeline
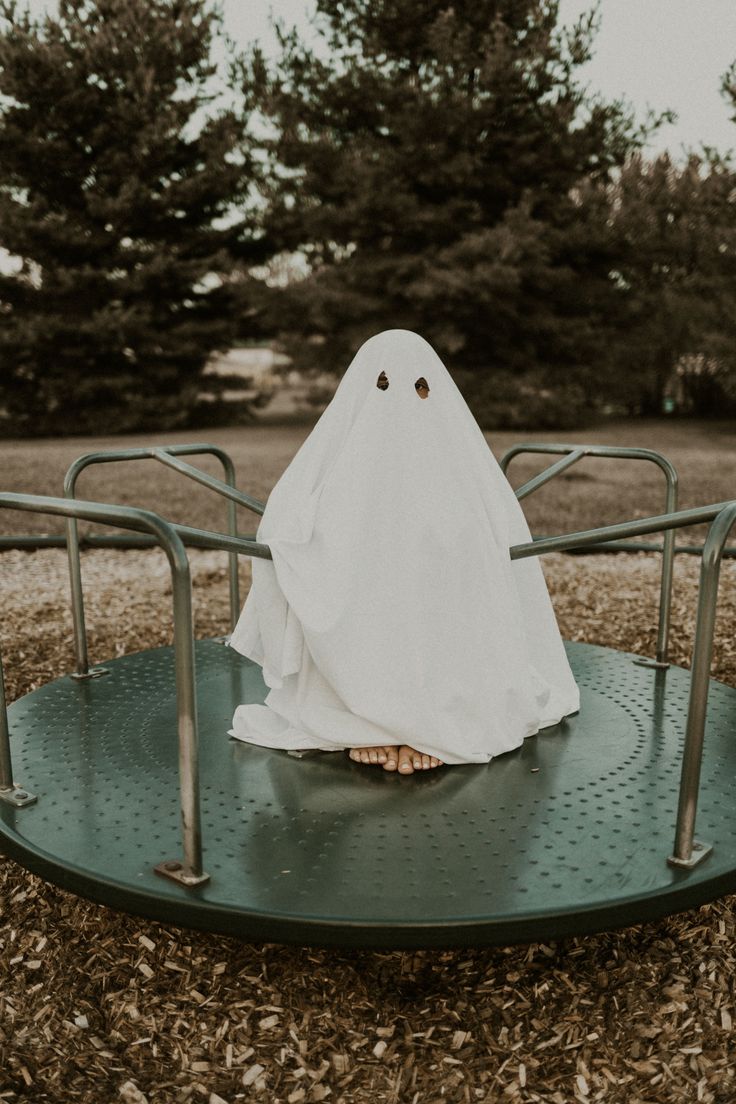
x=426 y=165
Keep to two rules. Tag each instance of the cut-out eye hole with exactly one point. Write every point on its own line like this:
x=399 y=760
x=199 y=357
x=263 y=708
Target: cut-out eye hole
x=422 y=387
x=382 y=381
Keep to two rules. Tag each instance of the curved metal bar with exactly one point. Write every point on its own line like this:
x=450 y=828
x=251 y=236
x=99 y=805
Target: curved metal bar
x=122 y=541
x=729 y=552
x=72 y=533
x=687 y=850
x=228 y=490
x=205 y=538
x=548 y=473
x=32 y=541
x=189 y=872
x=575 y=453
x=696 y=515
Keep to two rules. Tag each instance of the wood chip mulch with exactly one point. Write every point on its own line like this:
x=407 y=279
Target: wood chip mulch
x=100 y=1007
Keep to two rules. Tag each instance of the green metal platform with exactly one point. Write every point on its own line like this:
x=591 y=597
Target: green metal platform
x=569 y=834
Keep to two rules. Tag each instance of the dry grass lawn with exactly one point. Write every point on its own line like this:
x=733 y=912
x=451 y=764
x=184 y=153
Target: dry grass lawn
x=100 y=1007
x=595 y=491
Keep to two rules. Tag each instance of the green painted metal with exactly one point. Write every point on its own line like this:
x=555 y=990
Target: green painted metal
x=699 y=686
x=729 y=551
x=228 y=490
x=572 y=454
x=11 y=793
x=29 y=542
x=6 y=766
x=480 y=927
x=166 y=454
x=565 y=835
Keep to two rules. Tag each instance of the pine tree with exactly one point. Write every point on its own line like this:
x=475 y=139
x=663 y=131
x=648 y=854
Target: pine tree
x=116 y=202
x=676 y=235
x=429 y=164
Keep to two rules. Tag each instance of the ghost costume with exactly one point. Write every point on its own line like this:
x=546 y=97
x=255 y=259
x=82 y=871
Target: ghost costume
x=391 y=611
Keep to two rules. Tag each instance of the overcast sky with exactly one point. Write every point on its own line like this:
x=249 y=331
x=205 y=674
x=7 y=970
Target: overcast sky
x=657 y=53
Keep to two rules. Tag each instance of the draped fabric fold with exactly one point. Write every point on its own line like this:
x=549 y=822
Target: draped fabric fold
x=391 y=612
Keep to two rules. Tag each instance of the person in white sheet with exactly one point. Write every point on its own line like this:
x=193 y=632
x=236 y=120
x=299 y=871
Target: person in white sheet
x=391 y=619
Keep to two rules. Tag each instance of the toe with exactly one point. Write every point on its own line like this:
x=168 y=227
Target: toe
x=425 y=762
x=373 y=755
x=405 y=760
x=392 y=759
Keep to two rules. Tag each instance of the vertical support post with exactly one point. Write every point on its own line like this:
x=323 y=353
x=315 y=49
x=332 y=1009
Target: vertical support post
x=232 y=525
x=10 y=793
x=665 y=594
x=75 y=582
x=668 y=548
x=6 y=768
x=83 y=671
x=668 y=562
x=190 y=872
x=74 y=561
x=232 y=519
x=687 y=850
x=665 y=587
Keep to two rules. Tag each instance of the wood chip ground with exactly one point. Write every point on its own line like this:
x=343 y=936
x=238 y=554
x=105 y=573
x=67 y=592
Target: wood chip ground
x=100 y=1007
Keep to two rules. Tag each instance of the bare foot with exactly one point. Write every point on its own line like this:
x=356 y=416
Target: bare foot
x=410 y=760
x=405 y=759
x=378 y=754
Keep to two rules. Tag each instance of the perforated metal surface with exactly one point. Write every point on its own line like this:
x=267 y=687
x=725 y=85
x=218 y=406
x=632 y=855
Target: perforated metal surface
x=327 y=851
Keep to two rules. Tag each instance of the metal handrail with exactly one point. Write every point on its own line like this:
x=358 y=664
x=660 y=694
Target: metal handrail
x=122 y=542
x=687 y=850
x=695 y=515
x=72 y=529
x=228 y=490
x=575 y=452
x=189 y=872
